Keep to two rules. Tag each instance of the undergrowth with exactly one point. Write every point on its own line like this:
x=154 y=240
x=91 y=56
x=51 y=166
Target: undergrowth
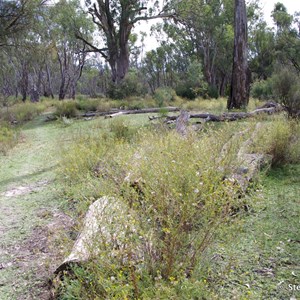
x=177 y=198
x=8 y=137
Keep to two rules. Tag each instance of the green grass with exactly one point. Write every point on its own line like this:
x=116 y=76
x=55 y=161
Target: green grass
x=28 y=164
x=264 y=258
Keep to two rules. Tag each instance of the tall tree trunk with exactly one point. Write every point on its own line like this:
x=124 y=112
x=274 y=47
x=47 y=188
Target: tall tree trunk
x=24 y=82
x=239 y=93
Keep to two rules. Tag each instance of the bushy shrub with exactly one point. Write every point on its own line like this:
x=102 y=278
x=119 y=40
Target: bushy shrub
x=66 y=108
x=164 y=95
x=88 y=104
x=262 y=89
x=129 y=86
x=279 y=138
x=120 y=129
x=193 y=84
x=286 y=85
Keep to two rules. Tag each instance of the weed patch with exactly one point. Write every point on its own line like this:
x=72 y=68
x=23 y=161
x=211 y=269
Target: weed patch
x=8 y=138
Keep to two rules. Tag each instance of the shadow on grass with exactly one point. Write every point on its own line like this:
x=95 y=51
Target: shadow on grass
x=20 y=179
x=43 y=120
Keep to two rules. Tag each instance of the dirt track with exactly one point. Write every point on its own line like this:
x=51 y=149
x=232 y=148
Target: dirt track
x=31 y=222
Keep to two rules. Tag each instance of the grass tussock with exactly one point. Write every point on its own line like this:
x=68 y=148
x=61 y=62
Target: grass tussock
x=22 y=112
x=8 y=137
x=279 y=138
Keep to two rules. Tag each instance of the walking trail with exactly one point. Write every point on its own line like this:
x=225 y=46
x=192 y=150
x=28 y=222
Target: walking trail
x=31 y=221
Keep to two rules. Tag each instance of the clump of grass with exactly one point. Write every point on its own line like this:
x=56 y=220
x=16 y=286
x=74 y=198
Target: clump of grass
x=281 y=139
x=23 y=112
x=88 y=104
x=66 y=108
x=215 y=105
x=120 y=128
x=8 y=137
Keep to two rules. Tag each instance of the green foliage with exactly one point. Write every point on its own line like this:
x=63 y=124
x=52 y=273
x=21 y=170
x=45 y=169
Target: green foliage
x=280 y=138
x=214 y=105
x=120 y=128
x=164 y=95
x=67 y=108
x=174 y=190
x=88 y=104
x=286 y=86
x=8 y=137
x=262 y=89
x=129 y=86
x=193 y=84
x=23 y=112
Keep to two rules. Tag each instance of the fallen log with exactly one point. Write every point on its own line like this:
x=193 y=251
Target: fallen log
x=117 y=112
x=106 y=225
x=271 y=108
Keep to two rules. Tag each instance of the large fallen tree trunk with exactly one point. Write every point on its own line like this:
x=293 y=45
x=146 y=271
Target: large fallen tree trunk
x=107 y=222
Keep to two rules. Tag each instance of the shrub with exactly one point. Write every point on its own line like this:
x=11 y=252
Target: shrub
x=262 y=89
x=66 y=108
x=286 y=85
x=23 y=112
x=164 y=95
x=88 y=104
x=279 y=138
x=175 y=190
x=193 y=84
x=129 y=86
x=120 y=129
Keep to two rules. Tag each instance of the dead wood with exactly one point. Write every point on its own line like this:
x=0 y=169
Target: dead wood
x=182 y=122
x=105 y=226
x=118 y=112
x=269 y=108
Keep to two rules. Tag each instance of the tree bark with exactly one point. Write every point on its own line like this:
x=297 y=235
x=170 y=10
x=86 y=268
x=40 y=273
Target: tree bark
x=240 y=82
x=24 y=81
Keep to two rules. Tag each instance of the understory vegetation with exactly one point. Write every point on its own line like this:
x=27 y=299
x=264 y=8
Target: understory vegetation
x=178 y=225
x=175 y=232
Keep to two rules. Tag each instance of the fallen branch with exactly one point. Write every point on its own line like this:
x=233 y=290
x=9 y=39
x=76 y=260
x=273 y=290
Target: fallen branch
x=268 y=108
x=116 y=112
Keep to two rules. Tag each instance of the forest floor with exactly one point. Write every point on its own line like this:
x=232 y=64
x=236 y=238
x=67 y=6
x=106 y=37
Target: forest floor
x=30 y=213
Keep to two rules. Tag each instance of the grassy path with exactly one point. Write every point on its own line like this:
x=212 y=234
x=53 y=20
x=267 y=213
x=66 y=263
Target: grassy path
x=263 y=262
x=28 y=203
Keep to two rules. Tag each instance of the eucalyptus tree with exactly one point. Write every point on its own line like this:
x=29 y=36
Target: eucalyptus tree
x=65 y=18
x=115 y=19
x=240 y=80
x=15 y=18
x=262 y=51
x=204 y=31
x=287 y=36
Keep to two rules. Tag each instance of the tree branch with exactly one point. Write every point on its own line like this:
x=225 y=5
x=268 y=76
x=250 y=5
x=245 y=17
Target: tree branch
x=93 y=48
x=159 y=16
